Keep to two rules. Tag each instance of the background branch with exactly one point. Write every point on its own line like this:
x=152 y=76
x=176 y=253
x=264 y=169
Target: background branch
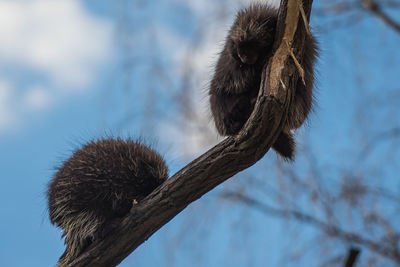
x=352 y=257
x=330 y=229
x=229 y=157
x=376 y=9
x=349 y=13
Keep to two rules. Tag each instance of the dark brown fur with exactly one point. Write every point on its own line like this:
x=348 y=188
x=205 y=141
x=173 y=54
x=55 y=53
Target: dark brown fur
x=236 y=82
x=97 y=185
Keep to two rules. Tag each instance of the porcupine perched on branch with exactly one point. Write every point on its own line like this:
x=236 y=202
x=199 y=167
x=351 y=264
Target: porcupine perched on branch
x=236 y=82
x=98 y=185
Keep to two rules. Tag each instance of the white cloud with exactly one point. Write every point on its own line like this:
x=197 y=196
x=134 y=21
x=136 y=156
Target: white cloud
x=6 y=115
x=37 y=98
x=58 y=38
x=57 y=44
x=189 y=139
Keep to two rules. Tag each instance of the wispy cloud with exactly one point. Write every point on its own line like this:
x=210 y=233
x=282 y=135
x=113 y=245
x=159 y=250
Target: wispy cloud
x=6 y=114
x=37 y=98
x=57 y=45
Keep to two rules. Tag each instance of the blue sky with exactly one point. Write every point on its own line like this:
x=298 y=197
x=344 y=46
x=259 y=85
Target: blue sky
x=64 y=81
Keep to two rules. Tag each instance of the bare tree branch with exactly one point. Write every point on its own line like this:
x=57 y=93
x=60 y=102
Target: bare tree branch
x=377 y=140
x=229 y=157
x=330 y=229
x=350 y=13
x=352 y=257
x=376 y=9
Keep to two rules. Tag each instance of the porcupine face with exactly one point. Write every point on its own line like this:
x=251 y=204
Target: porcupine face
x=246 y=51
x=252 y=34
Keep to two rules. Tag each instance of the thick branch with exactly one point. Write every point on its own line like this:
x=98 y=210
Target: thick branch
x=229 y=157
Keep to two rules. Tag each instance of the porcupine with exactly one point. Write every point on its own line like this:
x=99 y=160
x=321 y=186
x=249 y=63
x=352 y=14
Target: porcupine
x=97 y=185
x=236 y=81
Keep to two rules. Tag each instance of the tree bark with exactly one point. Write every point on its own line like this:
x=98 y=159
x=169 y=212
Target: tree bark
x=229 y=157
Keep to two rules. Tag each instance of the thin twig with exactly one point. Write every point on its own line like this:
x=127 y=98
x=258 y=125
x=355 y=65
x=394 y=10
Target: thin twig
x=352 y=257
x=332 y=230
x=376 y=9
x=297 y=63
x=305 y=20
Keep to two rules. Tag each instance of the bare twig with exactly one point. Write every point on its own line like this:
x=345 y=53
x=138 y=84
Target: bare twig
x=305 y=20
x=377 y=140
x=352 y=257
x=342 y=7
x=376 y=9
x=351 y=11
x=298 y=65
x=332 y=230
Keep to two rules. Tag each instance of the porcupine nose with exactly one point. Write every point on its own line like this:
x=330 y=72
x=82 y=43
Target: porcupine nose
x=247 y=59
